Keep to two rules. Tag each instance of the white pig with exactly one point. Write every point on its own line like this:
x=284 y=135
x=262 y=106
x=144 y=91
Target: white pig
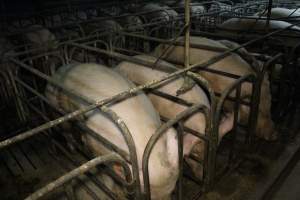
x=277 y=13
x=40 y=37
x=236 y=27
x=233 y=64
x=97 y=82
x=158 y=12
x=167 y=108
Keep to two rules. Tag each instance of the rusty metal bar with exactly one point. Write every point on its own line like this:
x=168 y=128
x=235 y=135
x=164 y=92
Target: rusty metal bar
x=110 y=113
x=235 y=122
x=257 y=94
x=179 y=43
x=110 y=158
x=155 y=137
x=269 y=14
x=106 y=143
x=119 y=96
x=187 y=33
x=90 y=175
x=216 y=120
x=180 y=133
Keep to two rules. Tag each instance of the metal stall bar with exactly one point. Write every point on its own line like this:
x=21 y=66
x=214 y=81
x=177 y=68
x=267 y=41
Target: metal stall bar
x=187 y=34
x=203 y=83
x=119 y=96
x=109 y=145
x=155 y=137
x=257 y=92
x=217 y=58
x=110 y=113
x=120 y=152
x=234 y=86
x=110 y=158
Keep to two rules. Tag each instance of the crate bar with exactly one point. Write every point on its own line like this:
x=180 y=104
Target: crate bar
x=187 y=34
x=110 y=158
x=124 y=94
x=180 y=154
x=216 y=119
x=88 y=174
x=108 y=144
x=181 y=43
x=110 y=113
x=120 y=96
x=155 y=137
x=257 y=92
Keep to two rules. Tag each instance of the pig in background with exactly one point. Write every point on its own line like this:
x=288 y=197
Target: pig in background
x=167 y=108
x=235 y=27
x=40 y=37
x=278 y=13
x=106 y=26
x=97 y=82
x=158 y=12
x=233 y=64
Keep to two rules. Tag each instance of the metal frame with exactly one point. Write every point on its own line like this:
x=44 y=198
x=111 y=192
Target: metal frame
x=212 y=114
x=212 y=141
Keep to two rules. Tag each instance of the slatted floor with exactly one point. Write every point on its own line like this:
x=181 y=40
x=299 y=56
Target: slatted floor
x=25 y=167
x=290 y=188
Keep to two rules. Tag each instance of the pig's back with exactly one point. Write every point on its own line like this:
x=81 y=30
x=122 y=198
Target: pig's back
x=97 y=82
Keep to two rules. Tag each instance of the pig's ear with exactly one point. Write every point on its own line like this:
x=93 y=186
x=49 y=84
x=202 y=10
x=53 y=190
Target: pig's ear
x=226 y=124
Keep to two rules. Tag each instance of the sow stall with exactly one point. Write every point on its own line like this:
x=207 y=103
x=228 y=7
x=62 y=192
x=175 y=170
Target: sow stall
x=27 y=73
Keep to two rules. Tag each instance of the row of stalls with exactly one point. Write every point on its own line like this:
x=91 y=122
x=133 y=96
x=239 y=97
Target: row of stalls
x=243 y=57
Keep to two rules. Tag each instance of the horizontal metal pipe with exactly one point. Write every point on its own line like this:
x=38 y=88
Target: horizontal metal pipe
x=177 y=43
x=110 y=113
x=82 y=126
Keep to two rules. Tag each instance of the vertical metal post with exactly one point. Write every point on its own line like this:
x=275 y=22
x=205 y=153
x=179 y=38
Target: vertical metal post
x=235 y=123
x=20 y=106
x=180 y=132
x=187 y=34
x=255 y=98
x=269 y=14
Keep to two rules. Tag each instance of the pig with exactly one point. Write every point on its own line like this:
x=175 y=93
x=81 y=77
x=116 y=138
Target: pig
x=278 y=13
x=164 y=13
x=98 y=82
x=195 y=8
x=105 y=26
x=238 y=24
x=196 y=12
x=141 y=75
x=40 y=37
x=233 y=64
x=132 y=23
x=235 y=27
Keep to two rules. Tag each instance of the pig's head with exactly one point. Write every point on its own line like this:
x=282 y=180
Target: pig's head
x=163 y=166
x=41 y=37
x=225 y=125
x=265 y=125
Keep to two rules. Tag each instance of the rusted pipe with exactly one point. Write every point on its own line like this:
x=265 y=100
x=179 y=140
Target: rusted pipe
x=110 y=158
x=269 y=14
x=155 y=137
x=194 y=67
x=187 y=34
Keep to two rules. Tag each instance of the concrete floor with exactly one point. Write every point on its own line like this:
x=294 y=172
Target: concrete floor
x=290 y=188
